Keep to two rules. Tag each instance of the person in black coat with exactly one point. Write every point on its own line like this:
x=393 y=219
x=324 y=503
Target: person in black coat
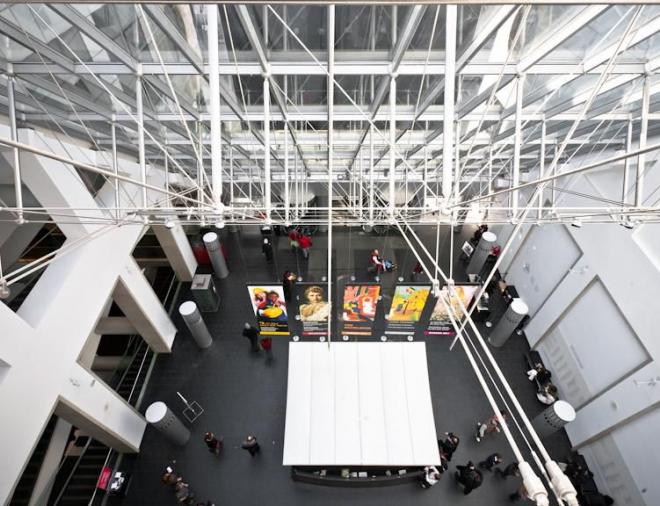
x=288 y=284
x=267 y=249
x=251 y=445
x=491 y=461
x=449 y=445
x=252 y=334
x=510 y=470
x=468 y=476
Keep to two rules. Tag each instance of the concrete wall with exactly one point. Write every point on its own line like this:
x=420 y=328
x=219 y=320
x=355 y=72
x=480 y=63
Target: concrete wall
x=594 y=298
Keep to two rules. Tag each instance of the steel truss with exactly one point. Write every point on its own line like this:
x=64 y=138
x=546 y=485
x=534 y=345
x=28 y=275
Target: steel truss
x=430 y=154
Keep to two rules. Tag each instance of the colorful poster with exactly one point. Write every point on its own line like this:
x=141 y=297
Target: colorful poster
x=359 y=309
x=314 y=309
x=406 y=310
x=440 y=324
x=270 y=309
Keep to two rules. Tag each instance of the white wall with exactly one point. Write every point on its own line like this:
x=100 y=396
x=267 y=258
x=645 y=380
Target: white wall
x=598 y=328
x=41 y=344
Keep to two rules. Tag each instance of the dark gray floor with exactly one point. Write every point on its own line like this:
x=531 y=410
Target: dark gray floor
x=245 y=393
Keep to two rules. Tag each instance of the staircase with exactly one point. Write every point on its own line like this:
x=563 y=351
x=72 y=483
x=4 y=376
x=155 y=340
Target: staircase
x=26 y=484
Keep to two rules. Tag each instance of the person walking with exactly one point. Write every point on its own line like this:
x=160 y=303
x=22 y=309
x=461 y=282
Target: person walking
x=267 y=344
x=214 y=444
x=288 y=284
x=510 y=470
x=519 y=494
x=251 y=445
x=491 y=461
x=489 y=427
x=252 y=334
x=305 y=242
x=468 y=476
x=267 y=250
x=417 y=270
x=449 y=445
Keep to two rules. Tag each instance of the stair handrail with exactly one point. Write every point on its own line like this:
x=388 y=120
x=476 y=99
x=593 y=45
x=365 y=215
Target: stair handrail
x=73 y=470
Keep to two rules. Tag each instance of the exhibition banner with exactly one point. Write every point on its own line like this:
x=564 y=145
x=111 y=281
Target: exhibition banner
x=407 y=307
x=440 y=324
x=314 y=308
x=269 y=307
x=359 y=309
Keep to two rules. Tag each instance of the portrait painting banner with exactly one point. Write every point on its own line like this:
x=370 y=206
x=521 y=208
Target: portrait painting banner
x=407 y=307
x=314 y=308
x=269 y=308
x=359 y=309
x=440 y=323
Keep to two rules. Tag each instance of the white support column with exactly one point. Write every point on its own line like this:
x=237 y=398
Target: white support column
x=115 y=164
x=140 y=129
x=177 y=248
x=56 y=186
x=372 y=174
x=134 y=295
x=231 y=179
x=517 y=142
x=392 y=173
x=626 y=166
x=267 y=195
x=214 y=92
x=18 y=190
x=644 y=127
x=331 y=107
x=539 y=213
x=448 y=124
x=287 y=198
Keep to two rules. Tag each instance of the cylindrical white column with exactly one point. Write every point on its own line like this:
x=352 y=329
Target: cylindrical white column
x=481 y=252
x=162 y=417
x=553 y=418
x=212 y=244
x=195 y=324
x=508 y=323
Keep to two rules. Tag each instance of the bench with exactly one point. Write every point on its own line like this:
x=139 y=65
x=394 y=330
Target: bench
x=375 y=477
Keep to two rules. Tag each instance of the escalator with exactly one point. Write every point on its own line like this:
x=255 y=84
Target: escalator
x=26 y=484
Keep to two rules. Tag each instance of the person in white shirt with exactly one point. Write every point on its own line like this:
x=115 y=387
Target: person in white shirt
x=431 y=476
x=547 y=395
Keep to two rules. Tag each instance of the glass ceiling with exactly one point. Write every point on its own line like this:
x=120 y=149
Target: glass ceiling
x=76 y=65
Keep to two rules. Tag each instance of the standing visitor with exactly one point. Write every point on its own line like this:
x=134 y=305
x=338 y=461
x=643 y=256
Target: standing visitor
x=251 y=445
x=288 y=283
x=430 y=477
x=267 y=344
x=294 y=238
x=510 y=470
x=214 y=444
x=267 y=249
x=468 y=476
x=251 y=333
x=449 y=445
x=491 y=461
x=305 y=242
x=417 y=270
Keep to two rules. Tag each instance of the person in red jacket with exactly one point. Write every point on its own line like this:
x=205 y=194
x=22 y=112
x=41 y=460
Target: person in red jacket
x=305 y=242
